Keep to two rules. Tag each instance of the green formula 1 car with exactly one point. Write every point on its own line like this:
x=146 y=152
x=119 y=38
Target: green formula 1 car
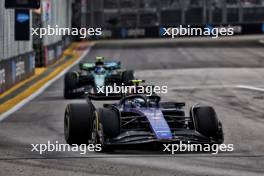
x=94 y=75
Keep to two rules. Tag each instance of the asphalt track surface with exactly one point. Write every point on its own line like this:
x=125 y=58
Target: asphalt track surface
x=195 y=73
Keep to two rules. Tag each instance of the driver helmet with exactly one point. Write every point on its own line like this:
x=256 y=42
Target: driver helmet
x=138 y=102
x=99 y=70
x=99 y=61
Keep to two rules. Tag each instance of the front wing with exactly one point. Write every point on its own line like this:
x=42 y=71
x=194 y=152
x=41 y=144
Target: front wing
x=143 y=139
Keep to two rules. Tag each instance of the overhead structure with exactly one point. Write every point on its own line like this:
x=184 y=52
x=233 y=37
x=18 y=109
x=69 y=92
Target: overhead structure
x=22 y=4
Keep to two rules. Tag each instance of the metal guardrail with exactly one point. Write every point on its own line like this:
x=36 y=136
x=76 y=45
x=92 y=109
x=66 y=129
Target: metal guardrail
x=147 y=13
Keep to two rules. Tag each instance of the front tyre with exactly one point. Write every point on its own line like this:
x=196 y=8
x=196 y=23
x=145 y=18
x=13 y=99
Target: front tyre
x=106 y=125
x=127 y=76
x=70 y=83
x=78 y=123
x=207 y=123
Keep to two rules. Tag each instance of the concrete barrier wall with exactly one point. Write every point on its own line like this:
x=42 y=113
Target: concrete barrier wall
x=16 y=69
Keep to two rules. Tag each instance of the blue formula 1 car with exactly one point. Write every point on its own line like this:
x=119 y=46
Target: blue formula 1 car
x=93 y=75
x=143 y=121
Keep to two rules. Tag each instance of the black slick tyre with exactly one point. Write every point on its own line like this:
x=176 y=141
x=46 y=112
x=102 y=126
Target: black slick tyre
x=78 y=123
x=70 y=83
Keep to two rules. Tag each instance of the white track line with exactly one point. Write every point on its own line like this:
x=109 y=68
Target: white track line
x=219 y=87
x=200 y=87
x=44 y=87
x=261 y=41
x=250 y=88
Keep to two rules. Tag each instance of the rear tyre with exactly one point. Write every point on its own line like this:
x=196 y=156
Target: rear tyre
x=127 y=76
x=78 y=123
x=206 y=121
x=106 y=125
x=70 y=83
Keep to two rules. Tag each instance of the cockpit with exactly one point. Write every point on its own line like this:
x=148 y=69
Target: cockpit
x=99 y=70
x=140 y=101
x=135 y=103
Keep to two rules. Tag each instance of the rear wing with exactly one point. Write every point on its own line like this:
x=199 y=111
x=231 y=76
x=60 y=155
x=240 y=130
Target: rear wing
x=110 y=65
x=87 y=66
